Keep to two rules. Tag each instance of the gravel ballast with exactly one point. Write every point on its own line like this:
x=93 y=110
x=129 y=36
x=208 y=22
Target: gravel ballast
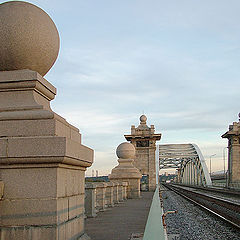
x=191 y=222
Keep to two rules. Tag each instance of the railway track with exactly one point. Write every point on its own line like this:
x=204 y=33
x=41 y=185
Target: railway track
x=225 y=209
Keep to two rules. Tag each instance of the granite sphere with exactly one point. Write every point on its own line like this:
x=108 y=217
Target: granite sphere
x=125 y=150
x=28 y=38
x=143 y=119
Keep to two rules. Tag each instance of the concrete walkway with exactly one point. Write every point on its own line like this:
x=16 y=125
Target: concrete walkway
x=119 y=222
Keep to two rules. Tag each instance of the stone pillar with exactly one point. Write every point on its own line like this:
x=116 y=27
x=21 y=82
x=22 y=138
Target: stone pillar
x=125 y=187
x=233 y=136
x=144 y=140
x=90 y=200
x=109 y=194
x=120 y=192
x=42 y=160
x=125 y=171
x=115 y=193
x=100 y=195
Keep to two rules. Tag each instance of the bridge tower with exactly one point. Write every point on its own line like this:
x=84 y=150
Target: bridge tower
x=233 y=136
x=144 y=140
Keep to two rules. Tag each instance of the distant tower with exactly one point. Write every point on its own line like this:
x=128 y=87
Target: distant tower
x=92 y=173
x=233 y=136
x=144 y=140
x=96 y=173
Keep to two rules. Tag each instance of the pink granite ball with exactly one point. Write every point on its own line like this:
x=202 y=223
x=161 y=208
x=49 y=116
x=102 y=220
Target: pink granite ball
x=125 y=150
x=28 y=38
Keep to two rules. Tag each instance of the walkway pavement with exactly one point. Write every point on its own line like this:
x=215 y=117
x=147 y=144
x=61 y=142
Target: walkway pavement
x=119 y=222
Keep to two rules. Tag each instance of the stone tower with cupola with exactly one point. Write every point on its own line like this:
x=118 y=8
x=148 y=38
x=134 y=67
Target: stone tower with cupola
x=144 y=140
x=233 y=136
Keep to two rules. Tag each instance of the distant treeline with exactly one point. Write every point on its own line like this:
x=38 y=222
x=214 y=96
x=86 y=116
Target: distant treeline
x=97 y=179
x=105 y=179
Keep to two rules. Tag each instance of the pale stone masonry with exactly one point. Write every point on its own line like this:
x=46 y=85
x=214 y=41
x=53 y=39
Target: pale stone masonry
x=42 y=163
x=100 y=196
x=29 y=38
x=109 y=194
x=126 y=172
x=233 y=136
x=42 y=159
x=144 y=140
x=90 y=200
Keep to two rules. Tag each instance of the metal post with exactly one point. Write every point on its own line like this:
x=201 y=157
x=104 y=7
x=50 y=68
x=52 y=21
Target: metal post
x=190 y=168
x=224 y=159
x=211 y=164
x=194 y=174
x=157 y=164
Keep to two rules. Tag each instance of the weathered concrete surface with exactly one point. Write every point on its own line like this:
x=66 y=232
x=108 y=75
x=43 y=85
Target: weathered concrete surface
x=120 y=222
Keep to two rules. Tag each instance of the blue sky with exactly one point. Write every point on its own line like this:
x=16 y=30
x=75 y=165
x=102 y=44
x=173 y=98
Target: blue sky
x=178 y=61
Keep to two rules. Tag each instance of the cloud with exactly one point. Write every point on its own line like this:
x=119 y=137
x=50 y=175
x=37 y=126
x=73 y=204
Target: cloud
x=178 y=61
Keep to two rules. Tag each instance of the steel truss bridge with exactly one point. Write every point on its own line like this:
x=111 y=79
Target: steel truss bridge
x=187 y=159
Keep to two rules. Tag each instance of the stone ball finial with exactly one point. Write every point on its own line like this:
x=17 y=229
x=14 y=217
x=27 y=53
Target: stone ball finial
x=143 y=119
x=28 y=36
x=125 y=150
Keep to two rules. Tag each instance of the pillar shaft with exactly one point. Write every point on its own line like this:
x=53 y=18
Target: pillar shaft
x=90 y=200
x=42 y=163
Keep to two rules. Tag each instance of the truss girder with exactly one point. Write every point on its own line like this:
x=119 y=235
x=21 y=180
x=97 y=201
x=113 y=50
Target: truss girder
x=189 y=161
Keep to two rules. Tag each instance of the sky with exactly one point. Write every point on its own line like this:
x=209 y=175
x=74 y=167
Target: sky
x=175 y=61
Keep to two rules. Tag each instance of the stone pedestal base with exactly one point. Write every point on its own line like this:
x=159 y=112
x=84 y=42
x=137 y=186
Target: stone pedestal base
x=42 y=163
x=42 y=201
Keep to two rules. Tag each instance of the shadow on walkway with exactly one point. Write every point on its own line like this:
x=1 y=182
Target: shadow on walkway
x=119 y=222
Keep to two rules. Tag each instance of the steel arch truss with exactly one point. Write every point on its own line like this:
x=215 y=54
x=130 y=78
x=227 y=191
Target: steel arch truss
x=188 y=160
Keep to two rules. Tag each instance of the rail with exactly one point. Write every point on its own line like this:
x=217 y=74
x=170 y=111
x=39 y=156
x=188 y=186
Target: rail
x=226 y=210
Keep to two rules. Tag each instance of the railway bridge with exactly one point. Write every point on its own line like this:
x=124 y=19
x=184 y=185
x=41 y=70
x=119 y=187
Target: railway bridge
x=43 y=194
x=187 y=159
